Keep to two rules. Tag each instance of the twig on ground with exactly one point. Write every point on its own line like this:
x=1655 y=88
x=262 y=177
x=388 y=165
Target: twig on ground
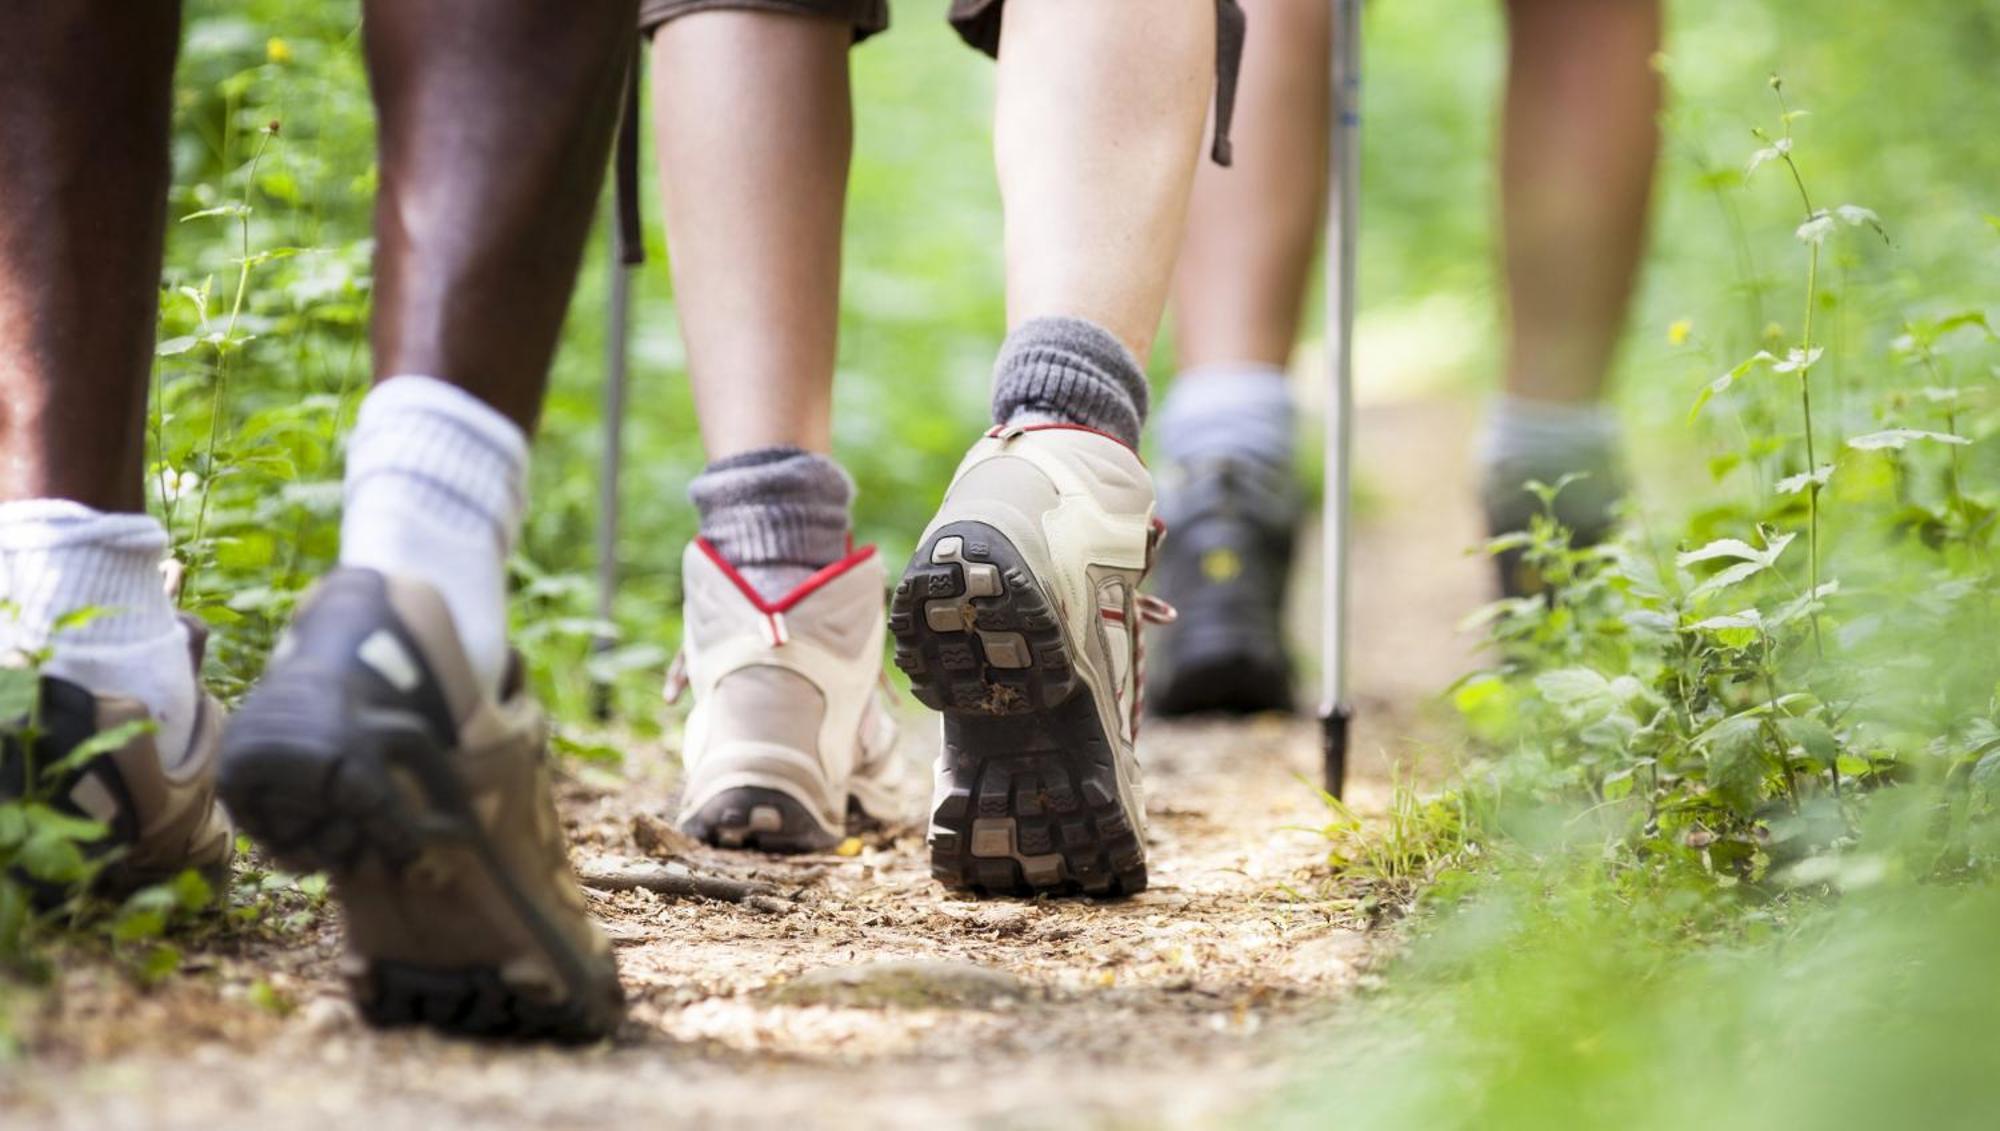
x=683 y=885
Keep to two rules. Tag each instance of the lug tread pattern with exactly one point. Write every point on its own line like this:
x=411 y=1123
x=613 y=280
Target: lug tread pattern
x=1029 y=803
x=311 y=783
x=762 y=820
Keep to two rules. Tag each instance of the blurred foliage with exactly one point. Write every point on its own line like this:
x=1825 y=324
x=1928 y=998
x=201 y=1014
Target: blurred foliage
x=1726 y=855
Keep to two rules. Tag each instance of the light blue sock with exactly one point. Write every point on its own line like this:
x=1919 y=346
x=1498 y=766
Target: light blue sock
x=1234 y=412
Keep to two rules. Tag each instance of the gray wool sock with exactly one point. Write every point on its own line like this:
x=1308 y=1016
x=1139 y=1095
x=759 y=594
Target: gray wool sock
x=776 y=514
x=1069 y=371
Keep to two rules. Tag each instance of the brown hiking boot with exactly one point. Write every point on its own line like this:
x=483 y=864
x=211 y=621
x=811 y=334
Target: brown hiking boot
x=369 y=751
x=161 y=819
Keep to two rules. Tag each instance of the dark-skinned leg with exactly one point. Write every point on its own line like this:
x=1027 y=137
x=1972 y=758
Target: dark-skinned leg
x=85 y=97
x=86 y=94
x=495 y=124
x=495 y=120
x=459 y=906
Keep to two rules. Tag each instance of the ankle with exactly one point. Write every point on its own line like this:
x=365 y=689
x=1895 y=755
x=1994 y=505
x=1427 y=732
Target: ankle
x=436 y=490
x=1070 y=371
x=1231 y=412
x=776 y=515
x=59 y=559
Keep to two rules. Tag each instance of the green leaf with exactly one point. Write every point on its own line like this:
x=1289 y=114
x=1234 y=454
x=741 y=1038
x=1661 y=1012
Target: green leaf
x=1797 y=360
x=159 y=962
x=1817 y=477
x=77 y=618
x=1898 y=438
x=19 y=689
x=1854 y=216
x=1723 y=579
x=191 y=891
x=1733 y=748
x=1812 y=736
x=51 y=857
x=1770 y=152
x=1805 y=603
x=222 y=210
x=103 y=742
x=1720 y=548
x=1721 y=384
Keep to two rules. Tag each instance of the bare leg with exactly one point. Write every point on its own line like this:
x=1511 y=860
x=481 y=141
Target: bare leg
x=1245 y=268
x=1579 y=144
x=81 y=84
x=1096 y=133
x=495 y=121
x=754 y=133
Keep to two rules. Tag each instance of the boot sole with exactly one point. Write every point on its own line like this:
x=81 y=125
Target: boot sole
x=366 y=802
x=1028 y=800
x=1219 y=672
x=759 y=819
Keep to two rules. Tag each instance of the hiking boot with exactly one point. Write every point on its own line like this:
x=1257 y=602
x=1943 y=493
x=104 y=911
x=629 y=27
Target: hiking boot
x=1018 y=618
x=789 y=736
x=369 y=751
x=1225 y=569
x=161 y=819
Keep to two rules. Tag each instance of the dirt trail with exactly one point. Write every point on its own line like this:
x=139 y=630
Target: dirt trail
x=1175 y=1007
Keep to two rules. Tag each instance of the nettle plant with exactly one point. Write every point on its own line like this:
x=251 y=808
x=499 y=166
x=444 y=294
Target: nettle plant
x=1740 y=698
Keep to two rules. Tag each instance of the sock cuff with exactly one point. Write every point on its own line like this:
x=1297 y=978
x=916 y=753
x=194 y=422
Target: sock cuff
x=411 y=393
x=62 y=557
x=775 y=506
x=1519 y=429
x=49 y=524
x=1071 y=370
x=443 y=451
x=1240 y=413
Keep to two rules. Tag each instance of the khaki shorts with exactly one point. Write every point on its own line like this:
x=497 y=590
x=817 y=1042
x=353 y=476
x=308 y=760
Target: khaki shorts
x=978 y=21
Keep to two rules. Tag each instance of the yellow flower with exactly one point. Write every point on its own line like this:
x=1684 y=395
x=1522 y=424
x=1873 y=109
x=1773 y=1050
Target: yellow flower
x=277 y=50
x=1677 y=334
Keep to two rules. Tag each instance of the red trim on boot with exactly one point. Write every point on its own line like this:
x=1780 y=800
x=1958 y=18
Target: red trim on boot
x=819 y=580
x=999 y=430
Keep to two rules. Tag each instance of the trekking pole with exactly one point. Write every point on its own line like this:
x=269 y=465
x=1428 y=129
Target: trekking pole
x=627 y=250
x=1342 y=234
x=617 y=319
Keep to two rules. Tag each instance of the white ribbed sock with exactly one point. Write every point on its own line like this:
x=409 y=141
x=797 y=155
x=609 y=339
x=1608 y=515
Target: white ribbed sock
x=60 y=557
x=437 y=484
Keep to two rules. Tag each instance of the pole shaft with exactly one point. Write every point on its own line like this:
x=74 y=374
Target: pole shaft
x=1342 y=232
x=1343 y=229
x=611 y=468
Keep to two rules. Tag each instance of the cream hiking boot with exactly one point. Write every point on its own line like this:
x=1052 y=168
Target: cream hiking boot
x=1018 y=618
x=789 y=734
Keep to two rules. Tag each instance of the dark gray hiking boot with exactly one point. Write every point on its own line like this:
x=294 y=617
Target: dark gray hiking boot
x=1224 y=565
x=161 y=817
x=370 y=752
